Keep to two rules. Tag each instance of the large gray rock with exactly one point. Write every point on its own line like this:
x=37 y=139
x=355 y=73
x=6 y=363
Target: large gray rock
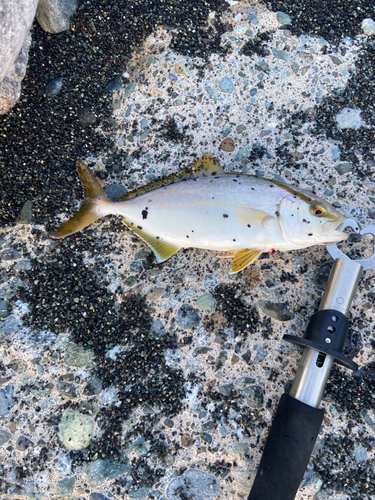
x=54 y=15
x=16 y=17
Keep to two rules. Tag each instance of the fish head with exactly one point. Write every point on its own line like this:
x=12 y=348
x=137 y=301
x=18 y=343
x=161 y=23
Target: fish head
x=306 y=220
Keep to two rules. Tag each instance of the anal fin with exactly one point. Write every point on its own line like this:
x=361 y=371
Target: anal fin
x=161 y=249
x=243 y=258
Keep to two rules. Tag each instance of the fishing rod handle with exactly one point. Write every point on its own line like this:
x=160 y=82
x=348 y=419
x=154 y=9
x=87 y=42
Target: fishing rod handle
x=287 y=450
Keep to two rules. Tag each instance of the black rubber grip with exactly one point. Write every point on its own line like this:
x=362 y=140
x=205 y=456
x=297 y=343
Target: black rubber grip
x=287 y=451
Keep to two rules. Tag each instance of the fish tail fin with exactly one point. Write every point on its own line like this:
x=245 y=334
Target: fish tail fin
x=89 y=212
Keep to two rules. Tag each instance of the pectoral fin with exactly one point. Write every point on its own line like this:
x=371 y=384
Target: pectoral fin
x=253 y=217
x=161 y=249
x=243 y=258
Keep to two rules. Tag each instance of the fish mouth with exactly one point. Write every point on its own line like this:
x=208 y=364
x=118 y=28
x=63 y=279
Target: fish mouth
x=332 y=230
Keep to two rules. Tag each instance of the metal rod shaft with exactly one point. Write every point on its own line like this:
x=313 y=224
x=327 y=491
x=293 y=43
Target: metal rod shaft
x=315 y=367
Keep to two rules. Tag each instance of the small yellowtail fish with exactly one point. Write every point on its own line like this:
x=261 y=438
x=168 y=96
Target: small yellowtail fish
x=204 y=207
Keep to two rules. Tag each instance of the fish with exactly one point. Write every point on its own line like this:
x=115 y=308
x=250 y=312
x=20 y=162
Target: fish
x=205 y=207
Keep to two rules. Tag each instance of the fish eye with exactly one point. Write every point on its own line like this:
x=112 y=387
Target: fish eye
x=318 y=210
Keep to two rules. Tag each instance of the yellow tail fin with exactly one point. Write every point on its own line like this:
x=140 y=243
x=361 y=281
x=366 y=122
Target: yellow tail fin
x=87 y=215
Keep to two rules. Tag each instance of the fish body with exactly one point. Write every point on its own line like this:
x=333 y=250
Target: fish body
x=240 y=214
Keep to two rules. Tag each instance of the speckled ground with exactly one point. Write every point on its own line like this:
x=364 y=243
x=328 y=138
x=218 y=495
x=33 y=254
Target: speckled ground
x=119 y=375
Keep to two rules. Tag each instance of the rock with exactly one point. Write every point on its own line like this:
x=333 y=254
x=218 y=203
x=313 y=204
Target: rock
x=64 y=465
x=226 y=389
x=206 y=303
x=87 y=117
x=243 y=478
x=78 y=356
x=54 y=86
x=349 y=118
x=98 y=496
x=140 y=494
x=181 y=69
x=227 y=145
x=23 y=443
x=155 y=293
x=65 y=487
x=114 y=85
x=246 y=356
x=9 y=325
x=67 y=390
x=283 y=18
x=25 y=216
x=187 y=440
x=260 y=355
x=9 y=255
x=335 y=60
x=201 y=350
x=277 y=310
x=187 y=317
x=243 y=153
x=15 y=23
x=371 y=214
x=368 y=26
x=239 y=450
x=280 y=54
x=194 y=484
x=93 y=387
x=138 y=447
x=3 y=308
x=115 y=191
x=168 y=423
x=18 y=365
x=360 y=454
x=100 y=471
x=335 y=153
x=129 y=89
x=208 y=426
x=206 y=437
x=76 y=429
x=4 y=437
x=6 y=400
x=253 y=396
x=54 y=15
x=343 y=168
x=226 y=85
x=252 y=16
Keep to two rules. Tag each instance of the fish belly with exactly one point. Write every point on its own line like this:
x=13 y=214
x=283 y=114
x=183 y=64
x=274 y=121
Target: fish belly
x=203 y=213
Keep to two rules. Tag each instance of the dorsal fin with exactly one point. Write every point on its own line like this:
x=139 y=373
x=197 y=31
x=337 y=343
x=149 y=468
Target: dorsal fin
x=205 y=167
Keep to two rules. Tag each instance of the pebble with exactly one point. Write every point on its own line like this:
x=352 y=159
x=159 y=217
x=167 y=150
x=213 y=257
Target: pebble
x=239 y=450
x=277 y=310
x=9 y=255
x=280 y=54
x=243 y=478
x=100 y=471
x=3 y=308
x=64 y=465
x=252 y=16
x=253 y=396
x=206 y=303
x=25 y=216
x=194 y=484
x=283 y=18
x=4 y=436
x=6 y=400
x=226 y=85
x=227 y=145
x=335 y=153
x=79 y=357
x=226 y=389
x=360 y=454
x=93 y=387
x=129 y=89
x=343 y=168
x=98 y=496
x=349 y=118
x=371 y=214
x=140 y=494
x=368 y=26
x=243 y=153
x=181 y=69
x=115 y=191
x=18 y=365
x=187 y=317
x=9 y=325
x=65 y=487
x=23 y=443
x=76 y=429
x=201 y=350
x=54 y=86
x=138 y=447
x=260 y=355
x=86 y=116
x=155 y=293
x=114 y=85
x=335 y=60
